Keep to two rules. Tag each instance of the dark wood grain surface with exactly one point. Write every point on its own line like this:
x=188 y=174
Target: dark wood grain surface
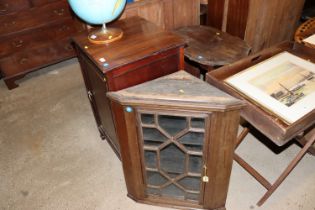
x=237 y=17
x=141 y=39
x=215 y=14
x=29 y=19
x=261 y=23
x=212 y=47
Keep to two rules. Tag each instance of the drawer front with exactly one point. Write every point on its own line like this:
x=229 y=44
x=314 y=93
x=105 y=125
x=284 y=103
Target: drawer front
x=34 y=18
x=36 y=3
x=35 y=58
x=8 y=6
x=144 y=70
x=37 y=37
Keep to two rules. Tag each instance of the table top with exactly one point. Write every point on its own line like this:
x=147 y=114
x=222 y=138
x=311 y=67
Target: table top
x=212 y=47
x=179 y=89
x=140 y=40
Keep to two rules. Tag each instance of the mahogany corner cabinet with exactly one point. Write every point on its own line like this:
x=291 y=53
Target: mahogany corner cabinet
x=177 y=137
x=145 y=52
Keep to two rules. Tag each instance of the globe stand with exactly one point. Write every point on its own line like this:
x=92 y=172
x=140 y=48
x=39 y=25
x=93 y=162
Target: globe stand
x=105 y=35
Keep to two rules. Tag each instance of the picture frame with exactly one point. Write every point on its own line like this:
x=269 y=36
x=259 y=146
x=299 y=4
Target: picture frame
x=310 y=40
x=283 y=85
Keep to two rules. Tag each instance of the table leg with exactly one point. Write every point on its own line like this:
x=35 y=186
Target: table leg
x=287 y=171
x=262 y=180
x=305 y=138
x=241 y=137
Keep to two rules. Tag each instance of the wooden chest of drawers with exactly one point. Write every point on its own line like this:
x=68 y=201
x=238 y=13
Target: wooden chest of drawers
x=34 y=34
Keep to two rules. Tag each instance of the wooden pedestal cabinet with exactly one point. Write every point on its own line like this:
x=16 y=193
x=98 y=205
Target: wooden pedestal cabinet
x=177 y=136
x=145 y=52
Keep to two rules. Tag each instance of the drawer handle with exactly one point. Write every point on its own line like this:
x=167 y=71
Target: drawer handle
x=18 y=43
x=59 y=12
x=4 y=7
x=23 y=60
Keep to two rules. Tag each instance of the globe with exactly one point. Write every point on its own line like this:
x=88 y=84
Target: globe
x=98 y=12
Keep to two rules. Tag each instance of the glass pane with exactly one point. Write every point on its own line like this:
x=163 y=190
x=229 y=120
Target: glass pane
x=153 y=191
x=150 y=159
x=173 y=191
x=152 y=137
x=155 y=178
x=192 y=196
x=190 y=183
x=197 y=122
x=172 y=124
x=147 y=118
x=195 y=164
x=172 y=160
x=192 y=141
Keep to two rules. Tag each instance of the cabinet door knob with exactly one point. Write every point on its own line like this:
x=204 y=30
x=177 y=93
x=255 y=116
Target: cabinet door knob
x=4 y=7
x=17 y=43
x=59 y=12
x=90 y=95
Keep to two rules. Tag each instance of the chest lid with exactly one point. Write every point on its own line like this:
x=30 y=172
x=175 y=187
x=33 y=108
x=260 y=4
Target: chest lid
x=179 y=89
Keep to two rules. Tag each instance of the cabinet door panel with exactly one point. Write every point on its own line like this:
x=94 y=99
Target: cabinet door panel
x=97 y=89
x=170 y=167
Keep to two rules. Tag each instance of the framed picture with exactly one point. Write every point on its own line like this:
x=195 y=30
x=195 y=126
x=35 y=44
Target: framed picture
x=310 y=39
x=283 y=84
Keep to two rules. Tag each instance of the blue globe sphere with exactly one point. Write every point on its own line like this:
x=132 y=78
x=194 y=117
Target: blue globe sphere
x=97 y=11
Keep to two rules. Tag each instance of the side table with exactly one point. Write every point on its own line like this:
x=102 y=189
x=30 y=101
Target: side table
x=145 y=52
x=210 y=48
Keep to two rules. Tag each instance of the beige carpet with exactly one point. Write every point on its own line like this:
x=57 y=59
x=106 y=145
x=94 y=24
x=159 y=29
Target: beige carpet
x=51 y=156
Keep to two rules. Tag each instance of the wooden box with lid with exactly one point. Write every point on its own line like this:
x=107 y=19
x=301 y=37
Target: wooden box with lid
x=34 y=34
x=145 y=52
x=177 y=136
